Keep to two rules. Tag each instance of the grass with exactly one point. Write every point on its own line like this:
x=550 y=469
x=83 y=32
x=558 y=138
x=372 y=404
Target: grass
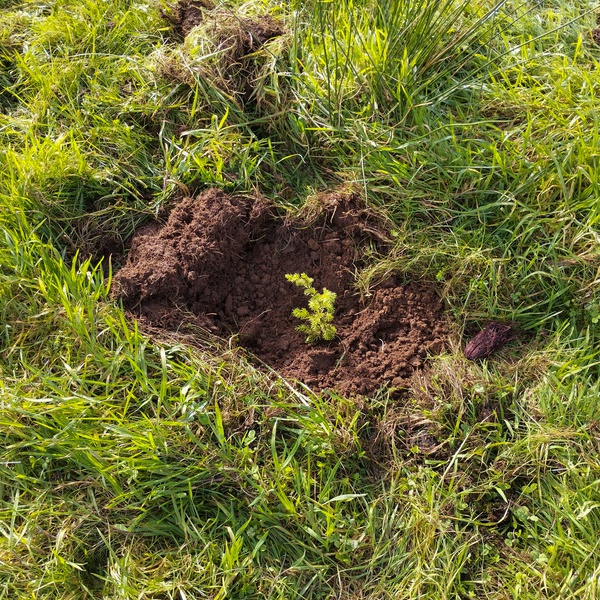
x=136 y=464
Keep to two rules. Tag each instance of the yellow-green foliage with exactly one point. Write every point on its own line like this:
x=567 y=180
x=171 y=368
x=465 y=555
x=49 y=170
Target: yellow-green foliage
x=319 y=314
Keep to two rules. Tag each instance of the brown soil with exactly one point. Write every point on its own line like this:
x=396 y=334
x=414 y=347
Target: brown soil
x=223 y=260
x=241 y=65
x=185 y=15
x=236 y=43
x=233 y=43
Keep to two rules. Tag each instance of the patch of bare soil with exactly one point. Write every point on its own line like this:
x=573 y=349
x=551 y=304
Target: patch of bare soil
x=223 y=260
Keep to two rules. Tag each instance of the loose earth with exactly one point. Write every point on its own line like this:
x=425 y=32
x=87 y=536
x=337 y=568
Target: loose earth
x=221 y=261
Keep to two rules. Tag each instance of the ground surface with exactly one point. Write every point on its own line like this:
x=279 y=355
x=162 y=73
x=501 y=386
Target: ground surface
x=144 y=459
x=224 y=260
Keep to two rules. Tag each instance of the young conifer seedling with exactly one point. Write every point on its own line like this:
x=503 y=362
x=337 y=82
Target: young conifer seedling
x=319 y=314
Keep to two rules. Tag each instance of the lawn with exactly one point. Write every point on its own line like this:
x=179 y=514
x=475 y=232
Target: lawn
x=438 y=149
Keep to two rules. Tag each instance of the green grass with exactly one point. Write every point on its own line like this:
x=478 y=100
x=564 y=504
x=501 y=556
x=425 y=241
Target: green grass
x=136 y=464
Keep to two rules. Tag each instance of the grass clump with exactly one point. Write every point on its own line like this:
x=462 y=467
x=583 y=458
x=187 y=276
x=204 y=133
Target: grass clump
x=319 y=314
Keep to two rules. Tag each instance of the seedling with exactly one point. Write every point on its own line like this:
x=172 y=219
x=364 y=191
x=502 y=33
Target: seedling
x=319 y=314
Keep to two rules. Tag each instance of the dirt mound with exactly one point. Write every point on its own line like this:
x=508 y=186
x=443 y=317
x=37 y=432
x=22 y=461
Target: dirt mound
x=224 y=259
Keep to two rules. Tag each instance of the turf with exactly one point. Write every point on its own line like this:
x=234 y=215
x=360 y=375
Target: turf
x=143 y=465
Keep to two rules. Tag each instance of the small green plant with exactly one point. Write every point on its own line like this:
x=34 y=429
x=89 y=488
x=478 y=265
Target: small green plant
x=319 y=314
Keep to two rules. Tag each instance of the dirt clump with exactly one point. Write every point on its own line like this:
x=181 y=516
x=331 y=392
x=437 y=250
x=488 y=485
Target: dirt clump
x=235 y=44
x=226 y=49
x=184 y=15
x=220 y=261
x=237 y=37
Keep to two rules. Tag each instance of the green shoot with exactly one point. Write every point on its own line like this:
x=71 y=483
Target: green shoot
x=319 y=314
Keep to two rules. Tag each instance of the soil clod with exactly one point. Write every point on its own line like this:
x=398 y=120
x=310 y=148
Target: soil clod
x=223 y=260
x=235 y=44
x=185 y=15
